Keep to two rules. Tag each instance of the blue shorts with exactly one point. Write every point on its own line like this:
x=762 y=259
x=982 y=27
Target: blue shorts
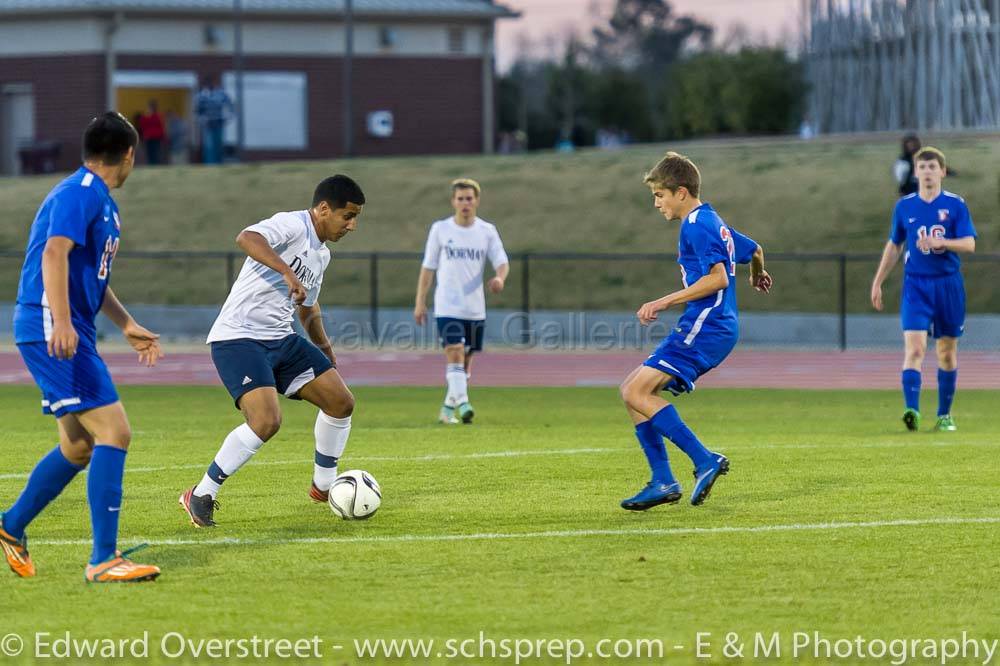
x=687 y=360
x=468 y=332
x=287 y=365
x=70 y=385
x=934 y=304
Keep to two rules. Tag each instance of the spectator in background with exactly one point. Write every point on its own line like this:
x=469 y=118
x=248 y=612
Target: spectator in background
x=153 y=131
x=903 y=168
x=214 y=108
x=177 y=138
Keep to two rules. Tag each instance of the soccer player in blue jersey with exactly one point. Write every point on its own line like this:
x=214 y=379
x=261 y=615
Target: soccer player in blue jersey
x=64 y=284
x=930 y=228
x=708 y=252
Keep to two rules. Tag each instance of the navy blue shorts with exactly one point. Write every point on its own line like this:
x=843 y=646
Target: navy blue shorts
x=689 y=357
x=70 y=385
x=934 y=304
x=466 y=332
x=287 y=364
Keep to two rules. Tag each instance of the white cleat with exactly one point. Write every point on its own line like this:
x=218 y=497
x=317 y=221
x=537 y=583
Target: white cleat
x=447 y=416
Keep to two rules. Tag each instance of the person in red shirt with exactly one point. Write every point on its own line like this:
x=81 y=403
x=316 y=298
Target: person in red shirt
x=153 y=131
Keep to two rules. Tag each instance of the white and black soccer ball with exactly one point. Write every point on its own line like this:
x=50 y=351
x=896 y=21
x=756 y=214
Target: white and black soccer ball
x=355 y=495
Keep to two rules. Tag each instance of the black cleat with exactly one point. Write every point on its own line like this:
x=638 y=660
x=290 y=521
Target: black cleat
x=201 y=510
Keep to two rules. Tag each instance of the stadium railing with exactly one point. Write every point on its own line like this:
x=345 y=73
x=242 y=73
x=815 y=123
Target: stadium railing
x=831 y=284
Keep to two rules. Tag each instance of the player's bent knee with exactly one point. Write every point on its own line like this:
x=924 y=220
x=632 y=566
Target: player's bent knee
x=78 y=451
x=339 y=405
x=346 y=405
x=265 y=426
x=631 y=394
x=119 y=437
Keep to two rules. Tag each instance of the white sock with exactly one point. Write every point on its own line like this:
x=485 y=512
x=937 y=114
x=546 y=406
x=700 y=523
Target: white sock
x=458 y=385
x=238 y=447
x=331 y=439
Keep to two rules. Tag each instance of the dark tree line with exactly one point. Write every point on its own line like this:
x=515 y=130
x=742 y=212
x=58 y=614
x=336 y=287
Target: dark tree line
x=651 y=75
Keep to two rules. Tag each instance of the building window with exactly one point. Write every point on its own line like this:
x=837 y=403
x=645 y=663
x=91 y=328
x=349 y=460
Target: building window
x=275 y=109
x=211 y=36
x=387 y=37
x=456 y=39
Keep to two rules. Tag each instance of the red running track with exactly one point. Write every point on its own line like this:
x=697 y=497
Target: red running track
x=744 y=369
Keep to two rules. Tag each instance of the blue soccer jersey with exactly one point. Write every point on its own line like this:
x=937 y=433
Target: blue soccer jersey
x=945 y=217
x=81 y=209
x=706 y=240
x=709 y=328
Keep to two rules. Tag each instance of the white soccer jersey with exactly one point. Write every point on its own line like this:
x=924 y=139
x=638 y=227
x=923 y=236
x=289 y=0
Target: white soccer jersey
x=459 y=254
x=259 y=307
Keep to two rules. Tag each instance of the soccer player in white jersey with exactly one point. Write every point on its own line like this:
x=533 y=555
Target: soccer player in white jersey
x=457 y=250
x=257 y=353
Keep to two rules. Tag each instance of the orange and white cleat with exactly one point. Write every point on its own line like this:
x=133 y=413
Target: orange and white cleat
x=120 y=569
x=318 y=496
x=16 y=552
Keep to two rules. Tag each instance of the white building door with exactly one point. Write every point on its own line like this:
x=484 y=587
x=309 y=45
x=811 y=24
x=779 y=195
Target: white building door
x=17 y=124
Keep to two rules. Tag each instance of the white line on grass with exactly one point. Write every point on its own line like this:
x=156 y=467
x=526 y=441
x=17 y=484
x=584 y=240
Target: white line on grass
x=553 y=534
x=543 y=452
x=423 y=458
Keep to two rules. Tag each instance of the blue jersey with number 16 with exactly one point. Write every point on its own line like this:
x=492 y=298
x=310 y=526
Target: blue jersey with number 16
x=946 y=216
x=81 y=209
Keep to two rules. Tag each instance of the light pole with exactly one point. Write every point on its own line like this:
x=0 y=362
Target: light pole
x=348 y=103
x=238 y=73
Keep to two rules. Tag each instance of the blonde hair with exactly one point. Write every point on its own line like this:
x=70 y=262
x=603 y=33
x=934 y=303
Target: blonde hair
x=465 y=184
x=929 y=153
x=674 y=171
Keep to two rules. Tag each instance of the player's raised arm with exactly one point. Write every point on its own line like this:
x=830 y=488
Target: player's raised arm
x=257 y=248
x=749 y=251
x=311 y=318
x=967 y=244
x=715 y=280
x=55 y=278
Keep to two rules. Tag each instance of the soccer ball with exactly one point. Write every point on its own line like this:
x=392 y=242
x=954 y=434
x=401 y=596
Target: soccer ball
x=355 y=495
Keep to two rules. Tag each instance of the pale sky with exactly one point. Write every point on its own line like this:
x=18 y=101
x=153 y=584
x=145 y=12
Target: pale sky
x=547 y=23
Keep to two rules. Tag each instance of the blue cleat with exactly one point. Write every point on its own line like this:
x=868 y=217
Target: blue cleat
x=705 y=477
x=654 y=494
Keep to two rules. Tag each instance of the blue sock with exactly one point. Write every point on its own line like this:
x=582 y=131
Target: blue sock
x=946 y=390
x=656 y=453
x=911 y=389
x=47 y=480
x=104 y=492
x=668 y=423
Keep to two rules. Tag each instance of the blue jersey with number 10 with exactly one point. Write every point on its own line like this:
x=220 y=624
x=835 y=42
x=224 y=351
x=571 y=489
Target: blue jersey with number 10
x=946 y=216
x=81 y=209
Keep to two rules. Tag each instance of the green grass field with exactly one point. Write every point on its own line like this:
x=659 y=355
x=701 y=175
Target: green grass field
x=825 y=196
x=512 y=527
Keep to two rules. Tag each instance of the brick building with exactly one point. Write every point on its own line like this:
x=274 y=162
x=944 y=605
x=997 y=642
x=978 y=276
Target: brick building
x=421 y=82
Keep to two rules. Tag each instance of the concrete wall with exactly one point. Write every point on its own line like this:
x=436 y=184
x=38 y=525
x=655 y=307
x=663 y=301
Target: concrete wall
x=599 y=331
